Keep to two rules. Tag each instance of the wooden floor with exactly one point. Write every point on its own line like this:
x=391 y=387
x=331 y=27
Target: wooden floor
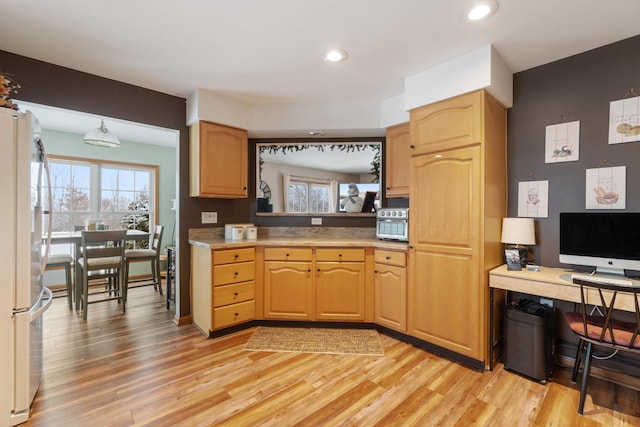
x=141 y=369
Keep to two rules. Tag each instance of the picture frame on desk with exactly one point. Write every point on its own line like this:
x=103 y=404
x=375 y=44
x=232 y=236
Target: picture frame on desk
x=512 y=257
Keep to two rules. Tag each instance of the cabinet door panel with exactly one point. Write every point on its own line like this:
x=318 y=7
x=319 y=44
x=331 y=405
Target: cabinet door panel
x=288 y=291
x=448 y=306
x=452 y=123
x=446 y=212
x=391 y=297
x=340 y=291
x=219 y=161
x=398 y=153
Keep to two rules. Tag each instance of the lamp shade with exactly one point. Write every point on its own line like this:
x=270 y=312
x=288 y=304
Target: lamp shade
x=518 y=231
x=101 y=137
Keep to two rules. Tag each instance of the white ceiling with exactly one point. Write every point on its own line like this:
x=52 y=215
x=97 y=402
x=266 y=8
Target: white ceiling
x=270 y=52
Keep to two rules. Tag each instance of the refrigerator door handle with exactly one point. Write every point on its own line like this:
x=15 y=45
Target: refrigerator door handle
x=45 y=258
x=34 y=314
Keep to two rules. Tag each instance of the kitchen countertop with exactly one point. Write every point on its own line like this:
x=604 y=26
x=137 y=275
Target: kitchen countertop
x=332 y=241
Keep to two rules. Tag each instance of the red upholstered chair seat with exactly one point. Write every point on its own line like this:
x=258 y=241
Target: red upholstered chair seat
x=622 y=331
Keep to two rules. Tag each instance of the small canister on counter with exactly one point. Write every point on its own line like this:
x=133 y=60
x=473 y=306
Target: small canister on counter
x=235 y=233
x=252 y=233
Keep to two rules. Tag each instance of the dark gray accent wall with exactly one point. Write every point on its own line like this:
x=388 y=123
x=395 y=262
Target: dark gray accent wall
x=579 y=88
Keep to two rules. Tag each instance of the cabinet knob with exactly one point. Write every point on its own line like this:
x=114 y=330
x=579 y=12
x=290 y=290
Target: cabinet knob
x=309 y=270
x=235 y=273
x=375 y=271
x=235 y=294
x=235 y=314
x=286 y=255
x=388 y=188
x=388 y=258
x=236 y=256
x=412 y=146
x=339 y=255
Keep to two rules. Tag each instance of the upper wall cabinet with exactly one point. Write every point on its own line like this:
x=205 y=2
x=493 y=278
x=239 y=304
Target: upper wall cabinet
x=397 y=160
x=454 y=122
x=218 y=161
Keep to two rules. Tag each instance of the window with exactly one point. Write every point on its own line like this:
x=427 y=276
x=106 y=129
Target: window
x=309 y=195
x=118 y=195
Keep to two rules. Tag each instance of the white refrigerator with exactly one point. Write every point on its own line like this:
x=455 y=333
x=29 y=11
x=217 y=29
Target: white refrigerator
x=23 y=298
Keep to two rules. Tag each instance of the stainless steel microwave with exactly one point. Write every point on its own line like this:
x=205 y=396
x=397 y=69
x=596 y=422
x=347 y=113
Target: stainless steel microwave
x=393 y=224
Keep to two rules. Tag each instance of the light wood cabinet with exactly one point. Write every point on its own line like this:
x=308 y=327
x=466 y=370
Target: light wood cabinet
x=397 y=155
x=390 y=276
x=222 y=286
x=340 y=284
x=218 y=161
x=457 y=202
x=288 y=283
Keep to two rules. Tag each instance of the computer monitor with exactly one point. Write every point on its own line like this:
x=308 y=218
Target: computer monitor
x=609 y=242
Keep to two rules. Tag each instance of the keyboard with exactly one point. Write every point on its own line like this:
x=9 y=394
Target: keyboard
x=603 y=279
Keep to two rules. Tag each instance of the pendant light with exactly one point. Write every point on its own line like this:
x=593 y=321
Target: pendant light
x=101 y=137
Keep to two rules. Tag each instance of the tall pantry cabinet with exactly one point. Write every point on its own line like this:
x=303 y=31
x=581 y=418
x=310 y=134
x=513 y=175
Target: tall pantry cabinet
x=457 y=202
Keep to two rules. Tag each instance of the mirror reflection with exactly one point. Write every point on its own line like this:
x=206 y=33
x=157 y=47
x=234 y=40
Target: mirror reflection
x=315 y=177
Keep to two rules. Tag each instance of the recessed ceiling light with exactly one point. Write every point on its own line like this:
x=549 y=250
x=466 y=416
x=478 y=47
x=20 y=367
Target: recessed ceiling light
x=482 y=10
x=336 y=55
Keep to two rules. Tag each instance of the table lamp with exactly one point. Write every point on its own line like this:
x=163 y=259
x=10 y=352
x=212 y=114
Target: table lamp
x=517 y=233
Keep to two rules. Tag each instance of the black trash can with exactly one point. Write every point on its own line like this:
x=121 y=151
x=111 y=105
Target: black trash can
x=528 y=339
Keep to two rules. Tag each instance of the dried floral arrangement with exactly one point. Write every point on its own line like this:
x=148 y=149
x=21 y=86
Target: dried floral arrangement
x=8 y=87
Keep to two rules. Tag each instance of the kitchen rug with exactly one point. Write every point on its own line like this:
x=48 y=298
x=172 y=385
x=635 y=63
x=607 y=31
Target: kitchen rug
x=361 y=342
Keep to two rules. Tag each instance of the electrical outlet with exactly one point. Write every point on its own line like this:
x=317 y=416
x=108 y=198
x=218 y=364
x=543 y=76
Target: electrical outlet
x=316 y=221
x=209 y=217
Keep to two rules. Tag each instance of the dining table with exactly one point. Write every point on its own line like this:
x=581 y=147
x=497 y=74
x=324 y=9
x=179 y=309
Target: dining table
x=75 y=238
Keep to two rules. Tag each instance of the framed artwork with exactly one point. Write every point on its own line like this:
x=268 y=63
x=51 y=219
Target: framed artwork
x=533 y=198
x=624 y=120
x=606 y=188
x=562 y=142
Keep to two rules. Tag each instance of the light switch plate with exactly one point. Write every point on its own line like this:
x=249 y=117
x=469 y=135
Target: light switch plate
x=209 y=217
x=316 y=221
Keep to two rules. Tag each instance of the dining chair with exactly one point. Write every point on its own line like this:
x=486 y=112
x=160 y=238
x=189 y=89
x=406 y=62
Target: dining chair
x=58 y=261
x=605 y=329
x=102 y=252
x=149 y=255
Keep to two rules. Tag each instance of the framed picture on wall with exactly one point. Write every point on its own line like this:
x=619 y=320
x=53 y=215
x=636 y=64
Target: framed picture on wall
x=533 y=198
x=606 y=188
x=624 y=120
x=562 y=142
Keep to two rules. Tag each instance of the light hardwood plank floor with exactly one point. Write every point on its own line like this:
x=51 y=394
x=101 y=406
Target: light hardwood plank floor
x=141 y=369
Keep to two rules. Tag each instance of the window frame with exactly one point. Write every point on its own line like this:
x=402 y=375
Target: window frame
x=95 y=205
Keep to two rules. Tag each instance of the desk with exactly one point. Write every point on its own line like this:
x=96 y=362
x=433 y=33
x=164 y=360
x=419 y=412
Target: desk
x=554 y=283
x=549 y=282
x=74 y=238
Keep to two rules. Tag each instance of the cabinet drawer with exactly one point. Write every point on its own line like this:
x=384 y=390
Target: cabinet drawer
x=391 y=258
x=288 y=254
x=233 y=273
x=231 y=294
x=229 y=256
x=339 y=254
x=232 y=314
